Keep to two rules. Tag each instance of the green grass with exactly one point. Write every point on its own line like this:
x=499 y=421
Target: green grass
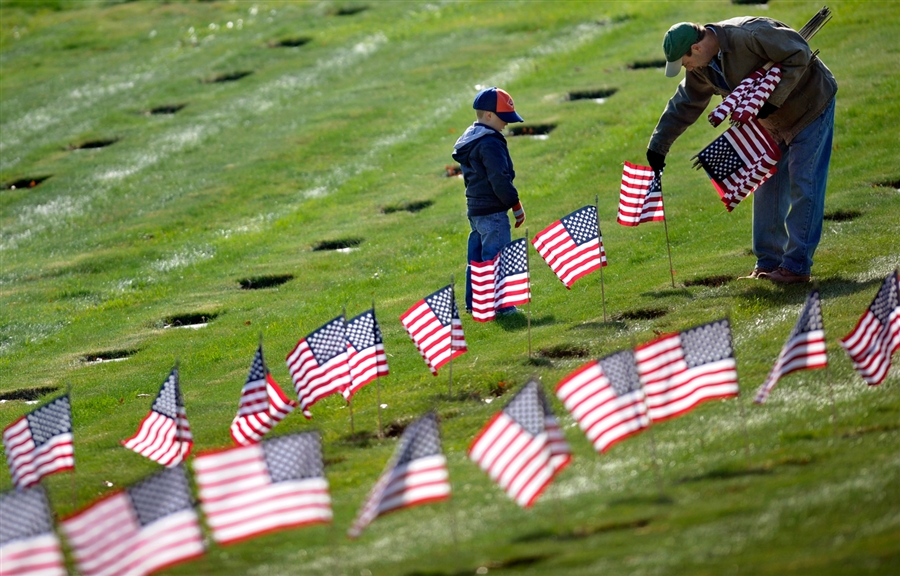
x=324 y=142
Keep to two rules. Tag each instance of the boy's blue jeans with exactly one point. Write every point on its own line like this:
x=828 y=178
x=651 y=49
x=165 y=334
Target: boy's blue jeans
x=789 y=207
x=488 y=236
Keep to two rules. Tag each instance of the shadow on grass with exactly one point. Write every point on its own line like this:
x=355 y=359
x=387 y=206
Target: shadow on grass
x=514 y=562
x=669 y=292
x=29 y=394
x=829 y=287
x=615 y=325
x=583 y=531
x=643 y=500
x=869 y=430
x=725 y=474
x=516 y=322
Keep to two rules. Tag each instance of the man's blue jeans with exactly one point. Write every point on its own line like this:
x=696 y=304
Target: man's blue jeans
x=789 y=207
x=488 y=236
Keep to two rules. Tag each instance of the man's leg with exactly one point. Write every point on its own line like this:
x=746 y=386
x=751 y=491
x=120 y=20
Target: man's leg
x=810 y=157
x=771 y=203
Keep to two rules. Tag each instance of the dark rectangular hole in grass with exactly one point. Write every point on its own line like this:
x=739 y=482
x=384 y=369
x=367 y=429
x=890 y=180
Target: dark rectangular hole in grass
x=750 y=1
x=414 y=206
x=592 y=94
x=337 y=244
x=533 y=130
x=90 y=144
x=228 y=77
x=709 y=281
x=643 y=314
x=189 y=319
x=167 y=109
x=291 y=42
x=395 y=429
x=25 y=183
x=351 y=10
x=107 y=355
x=28 y=393
x=842 y=215
x=895 y=184
x=259 y=282
x=641 y=64
x=564 y=351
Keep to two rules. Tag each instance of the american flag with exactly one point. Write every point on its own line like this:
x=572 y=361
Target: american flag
x=640 y=198
x=318 y=364
x=804 y=349
x=522 y=447
x=572 y=246
x=28 y=543
x=365 y=351
x=276 y=484
x=263 y=404
x=753 y=100
x=164 y=435
x=501 y=282
x=606 y=398
x=433 y=324
x=148 y=526
x=877 y=334
x=417 y=474
x=681 y=370
x=733 y=100
x=739 y=161
x=40 y=443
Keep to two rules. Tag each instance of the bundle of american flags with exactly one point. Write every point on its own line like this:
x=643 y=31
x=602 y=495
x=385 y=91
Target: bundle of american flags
x=435 y=328
x=164 y=435
x=640 y=197
x=877 y=334
x=501 y=282
x=263 y=404
x=745 y=101
x=739 y=161
x=572 y=246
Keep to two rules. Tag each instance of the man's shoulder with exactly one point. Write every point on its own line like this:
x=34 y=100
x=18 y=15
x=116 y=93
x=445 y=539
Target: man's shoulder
x=748 y=24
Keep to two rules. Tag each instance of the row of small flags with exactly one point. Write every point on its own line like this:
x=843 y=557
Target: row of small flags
x=280 y=483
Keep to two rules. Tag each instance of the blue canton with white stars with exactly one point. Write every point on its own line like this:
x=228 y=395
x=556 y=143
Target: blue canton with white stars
x=527 y=409
x=257 y=368
x=443 y=305
x=620 y=369
x=169 y=398
x=160 y=495
x=294 y=457
x=720 y=159
x=706 y=344
x=887 y=299
x=582 y=225
x=420 y=439
x=25 y=514
x=513 y=259
x=811 y=316
x=51 y=420
x=363 y=331
x=328 y=341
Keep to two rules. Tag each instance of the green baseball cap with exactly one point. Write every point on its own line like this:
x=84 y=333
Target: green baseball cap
x=676 y=44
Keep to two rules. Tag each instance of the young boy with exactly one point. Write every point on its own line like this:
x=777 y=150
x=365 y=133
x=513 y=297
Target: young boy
x=488 y=173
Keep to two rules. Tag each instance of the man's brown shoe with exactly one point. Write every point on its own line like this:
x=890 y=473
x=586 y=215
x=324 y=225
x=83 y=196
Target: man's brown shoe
x=784 y=276
x=757 y=272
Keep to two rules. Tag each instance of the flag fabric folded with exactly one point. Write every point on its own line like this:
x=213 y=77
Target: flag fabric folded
x=728 y=105
x=365 y=352
x=417 y=474
x=263 y=404
x=164 y=435
x=522 y=448
x=877 y=334
x=606 y=398
x=40 y=443
x=739 y=161
x=276 y=484
x=502 y=282
x=572 y=246
x=804 y=349
x=146 y=527
x=682 y=370
x=640 y=197
x=750 y=105
x=318 y=364
x=28 y=543
x=433 y=324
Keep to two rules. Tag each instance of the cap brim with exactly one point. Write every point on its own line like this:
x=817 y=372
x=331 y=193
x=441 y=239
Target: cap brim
x=509 y=117
x=673 y=68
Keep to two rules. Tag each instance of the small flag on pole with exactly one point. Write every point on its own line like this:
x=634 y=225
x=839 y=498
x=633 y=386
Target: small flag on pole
x=804 y=349
x=148 y=526
x=263 y=404
x=417 y=474
x=251 y=490
x=572 y=246
x=500 y=283
x=318 y=364
x=606 y=398
x=739 y=161
x=681 y=370
x=877 y=334
x=164 y=435
x=365 y=352
x=433 y=324
x=522 y=448
x=640 y=198
x=40 y=443
x=28 y=543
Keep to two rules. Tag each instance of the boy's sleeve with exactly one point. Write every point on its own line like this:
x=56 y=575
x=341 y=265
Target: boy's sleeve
x=499 y=172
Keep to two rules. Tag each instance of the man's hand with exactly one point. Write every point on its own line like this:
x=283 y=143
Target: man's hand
x=519 y=213
x=766 y=110
x=656 y=160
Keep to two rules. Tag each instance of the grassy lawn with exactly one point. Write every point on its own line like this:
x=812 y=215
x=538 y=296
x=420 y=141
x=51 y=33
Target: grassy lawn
x=177 y=148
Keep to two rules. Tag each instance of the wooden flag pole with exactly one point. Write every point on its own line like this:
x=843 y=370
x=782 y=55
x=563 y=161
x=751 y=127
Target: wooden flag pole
x=377 y=382
x=600 y=249
x=669 y=249
x=74 y=484
x=746 y=433
x=831 y=394
x=450 y=363
x=349 y=400
x=530 y=295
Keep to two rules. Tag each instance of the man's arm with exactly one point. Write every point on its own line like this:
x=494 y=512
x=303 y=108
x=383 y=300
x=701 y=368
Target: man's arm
x=787 y=47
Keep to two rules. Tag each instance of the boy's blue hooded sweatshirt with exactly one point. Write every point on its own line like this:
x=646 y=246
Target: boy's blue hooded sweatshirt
x=487 y=170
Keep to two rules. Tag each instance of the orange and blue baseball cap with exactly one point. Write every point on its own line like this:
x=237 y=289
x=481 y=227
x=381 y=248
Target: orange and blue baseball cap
x=499 y=102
